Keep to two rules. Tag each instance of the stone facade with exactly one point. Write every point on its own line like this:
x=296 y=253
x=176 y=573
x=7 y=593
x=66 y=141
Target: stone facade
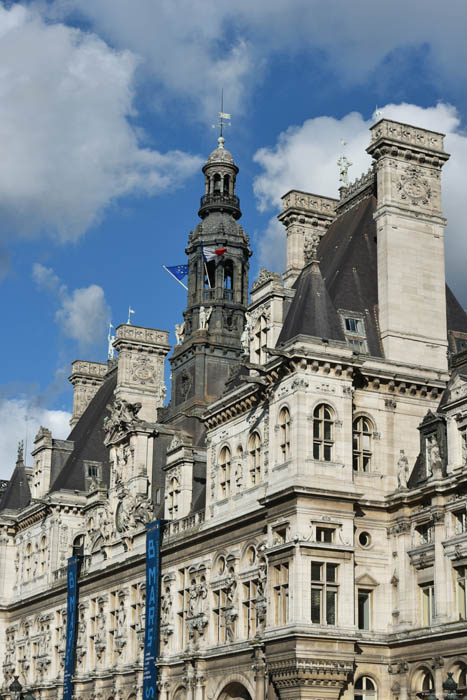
x=316 y=536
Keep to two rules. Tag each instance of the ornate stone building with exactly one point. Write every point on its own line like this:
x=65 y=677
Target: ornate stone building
x=311 y=465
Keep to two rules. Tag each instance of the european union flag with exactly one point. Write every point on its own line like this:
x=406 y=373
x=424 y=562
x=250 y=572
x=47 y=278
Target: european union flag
x=178 y=271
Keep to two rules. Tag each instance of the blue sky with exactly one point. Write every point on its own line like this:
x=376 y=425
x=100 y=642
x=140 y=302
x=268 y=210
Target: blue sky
x=106 y=109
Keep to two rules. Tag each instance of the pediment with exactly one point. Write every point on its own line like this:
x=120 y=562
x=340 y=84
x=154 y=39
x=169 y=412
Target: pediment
x=458 y=387
x=366 y=580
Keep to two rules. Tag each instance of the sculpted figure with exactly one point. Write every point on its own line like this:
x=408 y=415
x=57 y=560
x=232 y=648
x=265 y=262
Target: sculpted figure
x=179 y=332
x=245 y=338
x=402 y=470
x=204 y=316
x=436 y=461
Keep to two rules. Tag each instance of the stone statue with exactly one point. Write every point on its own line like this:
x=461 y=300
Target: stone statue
x=344 y=165
x=122 y=416
x=166 y=607
x=311 y=247
x=204 y=316
x=245 y=338
x=402 y=471
x=436 y=461
x=179 y=332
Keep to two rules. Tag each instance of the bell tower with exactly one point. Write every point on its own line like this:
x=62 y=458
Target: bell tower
x=218 y=254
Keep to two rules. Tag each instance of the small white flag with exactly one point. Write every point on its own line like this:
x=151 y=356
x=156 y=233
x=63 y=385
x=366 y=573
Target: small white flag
x=130 y=311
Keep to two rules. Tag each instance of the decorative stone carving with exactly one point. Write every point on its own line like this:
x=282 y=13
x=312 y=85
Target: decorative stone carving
x=204 y=316
x=179 y=332
x=402 y=471
x=413 y=187
x=123 y=416
x=265 y=276
x=132 y=511
x=311 y=247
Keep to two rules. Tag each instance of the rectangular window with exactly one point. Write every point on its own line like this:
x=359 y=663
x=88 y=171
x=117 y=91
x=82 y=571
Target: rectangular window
x=281 y=593
x=364 y=602
x=324 y=593
x=461 y=574
x=218 y=617
x=428 y=604
x=464 y=445
x=324 y=534
x=249 y=609
x=425 y=533
x=354 y=325
x=460 y=518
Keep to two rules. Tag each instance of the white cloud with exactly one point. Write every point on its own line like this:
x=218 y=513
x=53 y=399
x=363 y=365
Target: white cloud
x=68 y=147
x=83 y=314
x=20 y=420
x=194 y=47
x=305 y=158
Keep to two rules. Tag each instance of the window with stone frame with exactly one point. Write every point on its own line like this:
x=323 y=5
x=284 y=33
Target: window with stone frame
x=183 y=607
x=218 y=606
x=424 y=533
x=284 y=437
x=249 y=589
x=43 y=554
x=427 y=600
x=254 y=456
x=225 y=459
x=260 y=340
x=365 y=689
x=173 y=498
x=280 y=592
x=364 y=609
x=461 y=577
x=325 y=534
x=463 y=436
x=323 y=433
x=354 y=331
x=324 y=592
x=362 y=444
x=460 y=521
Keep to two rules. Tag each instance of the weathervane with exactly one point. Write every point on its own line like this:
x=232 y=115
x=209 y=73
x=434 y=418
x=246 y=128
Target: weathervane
x=344 y=164
x=224 y=118
x=110 y=340
x=378 y=113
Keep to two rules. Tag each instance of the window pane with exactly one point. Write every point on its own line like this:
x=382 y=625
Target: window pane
x=316 y=450
x=316 y=605
x=327 y=453
x=355 y=463
x=327 y=431
x=363 y=610
x=316 y=425
x=331 y=599
x=366 y=442
x=316 y=571
x=331 y=571
x=461 y=598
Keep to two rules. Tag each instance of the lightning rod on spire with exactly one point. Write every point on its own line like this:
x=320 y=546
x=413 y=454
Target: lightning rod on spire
x=224 y=117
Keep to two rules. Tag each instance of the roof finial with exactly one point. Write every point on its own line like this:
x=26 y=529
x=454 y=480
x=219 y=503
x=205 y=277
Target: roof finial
x=344 y=164
x=20 y=451
x=110 y=341
x=224 y=120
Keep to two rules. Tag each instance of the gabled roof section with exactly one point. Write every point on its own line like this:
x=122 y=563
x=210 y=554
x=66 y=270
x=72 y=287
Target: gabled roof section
x=88 y=436
x=312 y=311
x=17 y=494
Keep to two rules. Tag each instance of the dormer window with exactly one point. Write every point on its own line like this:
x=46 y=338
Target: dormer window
x=354 y=330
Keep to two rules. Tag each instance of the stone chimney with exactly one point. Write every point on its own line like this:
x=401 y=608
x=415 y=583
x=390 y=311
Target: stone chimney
x=86 y=378
x=410 y=242
x=141 y=357
x=303 y=215
x=49 y=457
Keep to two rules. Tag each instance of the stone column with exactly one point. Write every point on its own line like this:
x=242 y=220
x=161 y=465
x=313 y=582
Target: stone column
x=260 y=669
x=86 y=378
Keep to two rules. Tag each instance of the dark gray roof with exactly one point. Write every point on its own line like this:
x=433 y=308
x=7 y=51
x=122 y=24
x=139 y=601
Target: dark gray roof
x=348 y=281
x=312 y=311
x=88 y=436
x=17 y=494
x=215 y=222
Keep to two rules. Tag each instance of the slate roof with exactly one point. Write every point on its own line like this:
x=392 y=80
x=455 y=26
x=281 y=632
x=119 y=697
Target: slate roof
x=17 y=494
x=88 y=436
x=348 y=281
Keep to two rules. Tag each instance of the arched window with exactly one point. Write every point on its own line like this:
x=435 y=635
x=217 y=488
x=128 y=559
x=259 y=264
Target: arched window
x=78 y=545
x=226 y=185
x=365 y=689
x=217 y=183
x=254 y=454
x=427 y=682
x=462 y=679
x=260 y=340
x=224 y=472
x=284 y=427
x=362 y=444
x=228 y=280
x=323 y=433
x=173 y=498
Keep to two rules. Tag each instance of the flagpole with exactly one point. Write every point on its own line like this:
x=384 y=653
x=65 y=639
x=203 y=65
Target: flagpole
x=175 y=278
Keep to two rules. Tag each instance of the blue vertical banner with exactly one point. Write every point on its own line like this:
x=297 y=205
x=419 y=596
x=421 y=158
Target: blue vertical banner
x=151 y=632
x=71 y=608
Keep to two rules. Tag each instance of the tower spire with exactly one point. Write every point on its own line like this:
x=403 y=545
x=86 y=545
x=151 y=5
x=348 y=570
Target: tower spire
x=224 y=120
